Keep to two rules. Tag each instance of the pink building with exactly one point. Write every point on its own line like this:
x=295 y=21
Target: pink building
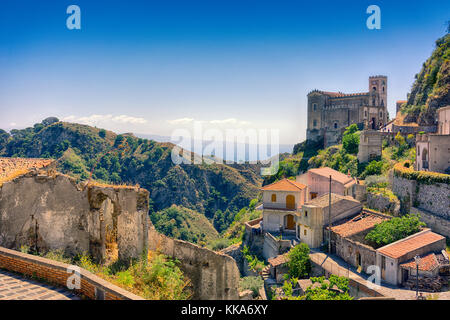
x=318 y=182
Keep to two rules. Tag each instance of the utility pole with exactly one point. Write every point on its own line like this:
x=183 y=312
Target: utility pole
x=329 y=219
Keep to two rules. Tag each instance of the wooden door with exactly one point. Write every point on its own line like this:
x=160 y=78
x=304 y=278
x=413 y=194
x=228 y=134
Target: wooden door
x=290 y=202
x=290 y=223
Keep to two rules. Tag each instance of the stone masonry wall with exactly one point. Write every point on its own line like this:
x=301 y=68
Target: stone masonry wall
x=434 y=198
x=214 y=276
x=431 y=201
x=50 y=211
x=382 y=203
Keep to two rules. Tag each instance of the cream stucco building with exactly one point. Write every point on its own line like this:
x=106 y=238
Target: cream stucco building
x=315 y=216
x=433 y=150
x=282 y=201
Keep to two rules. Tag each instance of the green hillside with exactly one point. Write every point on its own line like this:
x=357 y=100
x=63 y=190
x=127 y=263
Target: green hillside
x=184 y=224
x=431 y=89
x=112 y=158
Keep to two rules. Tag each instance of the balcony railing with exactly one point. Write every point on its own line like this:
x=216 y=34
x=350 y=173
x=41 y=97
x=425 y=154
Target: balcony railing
x=279 y=207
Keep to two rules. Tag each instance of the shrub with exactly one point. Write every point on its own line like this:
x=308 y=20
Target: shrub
x=395 y=229
x=299 y=263
x=335 y=288
x=251 y=283
x=426 y=177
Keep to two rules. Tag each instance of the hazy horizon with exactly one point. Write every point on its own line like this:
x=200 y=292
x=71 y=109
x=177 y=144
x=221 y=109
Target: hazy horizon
x=152 y=67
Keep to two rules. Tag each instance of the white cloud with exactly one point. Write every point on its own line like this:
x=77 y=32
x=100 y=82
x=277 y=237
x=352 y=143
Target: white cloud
x=105 y=118
x=230 y=121
x=13 y=124
x=181 y=121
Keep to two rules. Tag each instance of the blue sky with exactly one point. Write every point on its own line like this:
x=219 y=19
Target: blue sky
x=142 y=65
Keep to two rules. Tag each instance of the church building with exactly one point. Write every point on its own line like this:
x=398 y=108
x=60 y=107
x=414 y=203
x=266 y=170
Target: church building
x=329 y=113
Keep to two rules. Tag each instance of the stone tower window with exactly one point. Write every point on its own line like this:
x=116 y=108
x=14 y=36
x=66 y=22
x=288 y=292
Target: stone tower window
x=374 y=88
x=315 y=123
x=335 y=125
x=314 y=106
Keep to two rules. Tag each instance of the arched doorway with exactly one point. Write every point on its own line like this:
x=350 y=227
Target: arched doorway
x=289 y=222
x=358 y=260
x=425 y=158
x=290 y=202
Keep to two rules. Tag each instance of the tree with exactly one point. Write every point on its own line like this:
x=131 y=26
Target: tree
x=299 y=263
x=50 y=120
x=374 y=168
x=102 y=133
x=350 y=139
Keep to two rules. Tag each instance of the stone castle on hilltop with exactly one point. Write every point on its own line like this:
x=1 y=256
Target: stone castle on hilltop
x=329 y=113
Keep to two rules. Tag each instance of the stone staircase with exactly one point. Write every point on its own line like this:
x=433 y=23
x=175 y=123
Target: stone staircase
x=265 y=273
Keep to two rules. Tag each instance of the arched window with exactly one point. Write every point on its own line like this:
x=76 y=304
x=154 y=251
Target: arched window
x=315 y=123
x=314 y=106
x=374 y=88
x=274 y=197
x=335 y=125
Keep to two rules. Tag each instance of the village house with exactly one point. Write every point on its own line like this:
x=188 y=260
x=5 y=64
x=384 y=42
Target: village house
x=395 y=258
x=281 y=201
x=314 y=216
x=317 y=181
x=433 y=150
x=348 y=238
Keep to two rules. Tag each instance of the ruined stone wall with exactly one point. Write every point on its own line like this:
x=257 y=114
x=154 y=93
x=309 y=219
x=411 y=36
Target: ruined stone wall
x=48 y=211
x=214 y=276
x=383 y=203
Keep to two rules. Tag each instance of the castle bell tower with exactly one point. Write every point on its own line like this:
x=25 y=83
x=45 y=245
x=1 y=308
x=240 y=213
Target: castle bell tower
x=378 y=90
x=378 y=96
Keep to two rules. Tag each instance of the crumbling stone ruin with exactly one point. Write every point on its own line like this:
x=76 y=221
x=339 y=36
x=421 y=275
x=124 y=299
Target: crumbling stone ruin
x=46 y=210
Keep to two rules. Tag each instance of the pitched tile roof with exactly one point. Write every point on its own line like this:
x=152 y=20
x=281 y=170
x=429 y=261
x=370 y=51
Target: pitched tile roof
x=358 y=224
x=278 y=260
x=8 y=166
x=335 y=175
x=284 y=185
x=427 y=262
x=401 y=247
x=323 y=201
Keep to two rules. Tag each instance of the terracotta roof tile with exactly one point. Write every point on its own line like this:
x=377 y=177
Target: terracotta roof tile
x=285 y=185
x=278 y=260
x=358 y=224
x=335 y=175
x=427 y=262
x=400 y=248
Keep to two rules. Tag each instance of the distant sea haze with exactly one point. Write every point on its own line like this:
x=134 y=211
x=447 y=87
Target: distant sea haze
x=283 y=148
